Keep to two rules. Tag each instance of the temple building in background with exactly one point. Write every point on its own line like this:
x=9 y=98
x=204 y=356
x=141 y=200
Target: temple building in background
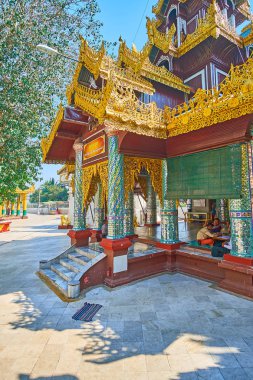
x=172 y=121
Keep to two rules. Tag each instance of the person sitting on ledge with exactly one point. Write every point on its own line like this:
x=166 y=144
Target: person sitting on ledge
x=219 y=251
x=205 y=235
x=216 y=225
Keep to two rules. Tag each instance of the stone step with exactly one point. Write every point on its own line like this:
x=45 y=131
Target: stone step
x=72 y=265
x=78 y=258
x=63 y=272
x=56 y=280
x=86 y=251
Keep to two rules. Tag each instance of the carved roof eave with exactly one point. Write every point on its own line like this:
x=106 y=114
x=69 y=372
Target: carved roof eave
x=161 y=75
x=114 y=123
x=47 y=142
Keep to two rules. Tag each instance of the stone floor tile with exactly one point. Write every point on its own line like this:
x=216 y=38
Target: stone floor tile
x=234 y=374
x=182 y=363
x=245 y=359
x=135 y=363
x=157 y=363
x=209 y=374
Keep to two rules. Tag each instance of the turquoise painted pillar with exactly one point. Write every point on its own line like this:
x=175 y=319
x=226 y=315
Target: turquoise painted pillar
x=129 y=215
x=169 y=213
x=79 y=214
x=151 y=203
x=98 y=209
x=18 y=206
x=115 y=190
x=222 y=209
x=241 y=211
x=4 y=208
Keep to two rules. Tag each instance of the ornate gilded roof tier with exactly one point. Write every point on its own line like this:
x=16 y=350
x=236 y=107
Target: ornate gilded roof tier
x=233 y=99
x=126 y=112
x=93 y=102
x=162 y=41
x=90 y=58
x=132 y=57
x=126 y=76
x=213 y=25
x=47 y=141
x=162 y=75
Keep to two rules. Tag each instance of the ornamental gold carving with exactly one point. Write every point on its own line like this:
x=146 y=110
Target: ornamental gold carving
x=233 y=99
x=92 y=175
x=133 y=167
x=47 y=141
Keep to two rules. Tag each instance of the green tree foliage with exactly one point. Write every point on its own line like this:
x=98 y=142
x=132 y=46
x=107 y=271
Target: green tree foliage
x=50 y=191
x=32 y=83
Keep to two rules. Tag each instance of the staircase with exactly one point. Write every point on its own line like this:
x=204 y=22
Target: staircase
x=66 y=270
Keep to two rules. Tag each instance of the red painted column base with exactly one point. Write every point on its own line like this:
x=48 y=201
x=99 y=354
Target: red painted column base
x=67 y=227
x=151 y=225
x=239 y=260
x=79 y=238
x=169 y=246
x=114 y=248
x=238 y=274
x=96 y=236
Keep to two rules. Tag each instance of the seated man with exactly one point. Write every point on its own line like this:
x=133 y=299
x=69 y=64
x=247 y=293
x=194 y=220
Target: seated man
x=216 y=225
x=219 y=251
x=205 y=234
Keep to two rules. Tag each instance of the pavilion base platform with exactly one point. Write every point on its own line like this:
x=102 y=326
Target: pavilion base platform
x=238 y=275
x=118 y=262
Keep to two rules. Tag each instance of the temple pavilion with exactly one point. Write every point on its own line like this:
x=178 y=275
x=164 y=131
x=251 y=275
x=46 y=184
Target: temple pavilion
x=172 y=121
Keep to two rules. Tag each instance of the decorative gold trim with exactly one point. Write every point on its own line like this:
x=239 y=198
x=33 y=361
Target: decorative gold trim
x=162 y=41
x=233 y=99
x=92 y=175
x=93 y=102
x=46 y=142
x=133 y=167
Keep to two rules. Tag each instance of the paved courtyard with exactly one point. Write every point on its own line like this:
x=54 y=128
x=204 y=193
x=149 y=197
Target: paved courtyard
x=166 y=327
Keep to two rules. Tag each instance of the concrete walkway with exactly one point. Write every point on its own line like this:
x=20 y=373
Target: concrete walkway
x=166 y=327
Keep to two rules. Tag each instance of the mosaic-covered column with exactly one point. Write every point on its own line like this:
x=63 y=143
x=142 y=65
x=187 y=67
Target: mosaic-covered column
x=241 y=212
x=24 y=201
x=115 y=190
x=169 y=213
x=98 y=209
x=222 y=209
x=18 y=206
x=151 y=204
x=12 y=208
x=129 y=215
x=79 y=214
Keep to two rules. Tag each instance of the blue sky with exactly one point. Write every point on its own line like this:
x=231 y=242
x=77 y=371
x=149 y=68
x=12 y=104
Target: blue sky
x=120 y=17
